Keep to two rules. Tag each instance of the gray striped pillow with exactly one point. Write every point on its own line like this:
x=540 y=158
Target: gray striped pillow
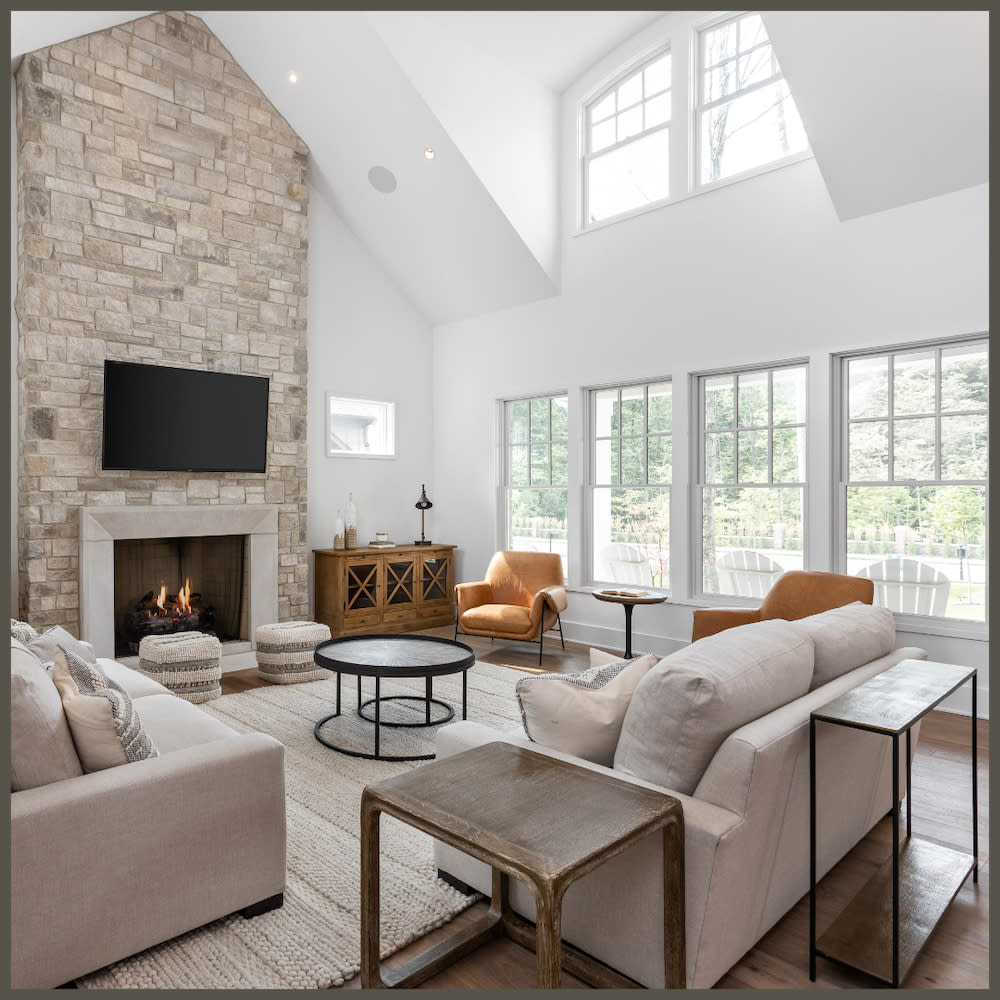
x=22 y=631
x=104 y=722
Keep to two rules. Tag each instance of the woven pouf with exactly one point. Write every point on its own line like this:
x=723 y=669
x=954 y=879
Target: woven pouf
x=187 y=663
x=285 y=651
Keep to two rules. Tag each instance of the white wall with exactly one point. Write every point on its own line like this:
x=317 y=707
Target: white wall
x=365 y=340
x=754 y=272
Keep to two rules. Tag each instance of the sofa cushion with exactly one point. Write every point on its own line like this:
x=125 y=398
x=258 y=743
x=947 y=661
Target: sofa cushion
x=174 y=724
x=22 y=631
x=847 y=637
x=581 y=713
x=136 y=685
x=44 y=646
x=41 y=746
x=686 y=706
x=104 y=722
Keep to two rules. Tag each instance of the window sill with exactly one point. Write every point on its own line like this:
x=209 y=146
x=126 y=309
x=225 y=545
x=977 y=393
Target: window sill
x=695 y=192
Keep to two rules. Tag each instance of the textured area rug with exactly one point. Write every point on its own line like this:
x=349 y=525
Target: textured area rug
x=313 y=941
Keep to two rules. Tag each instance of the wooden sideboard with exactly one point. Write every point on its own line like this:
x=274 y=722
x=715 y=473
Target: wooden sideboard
x=400 y=589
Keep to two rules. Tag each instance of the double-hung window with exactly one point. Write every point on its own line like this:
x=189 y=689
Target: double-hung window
x=752 y=477
x=745 y=116
x=630 y=473
x=914 y=476
x=626 y=157
x=536 y=449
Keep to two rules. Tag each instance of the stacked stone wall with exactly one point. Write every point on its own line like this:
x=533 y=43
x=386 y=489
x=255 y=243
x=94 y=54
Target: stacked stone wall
x=162 y=211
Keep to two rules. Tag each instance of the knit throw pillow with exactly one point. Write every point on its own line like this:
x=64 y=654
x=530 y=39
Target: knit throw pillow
x=105 y=725
x=22 y=631
x=581 y=714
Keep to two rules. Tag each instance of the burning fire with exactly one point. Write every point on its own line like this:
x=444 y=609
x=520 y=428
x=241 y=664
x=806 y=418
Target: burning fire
x=183 y=601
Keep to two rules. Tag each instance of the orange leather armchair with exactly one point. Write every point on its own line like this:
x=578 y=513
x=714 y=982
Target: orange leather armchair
x=795 y=594
x=521 y=598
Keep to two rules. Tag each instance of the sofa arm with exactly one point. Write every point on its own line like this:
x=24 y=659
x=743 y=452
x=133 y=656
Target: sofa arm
x=472 y=595
x=708 y=621
x=115 y=861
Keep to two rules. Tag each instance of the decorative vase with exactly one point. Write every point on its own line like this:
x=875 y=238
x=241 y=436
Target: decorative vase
x=350 y=523
x=338 y=531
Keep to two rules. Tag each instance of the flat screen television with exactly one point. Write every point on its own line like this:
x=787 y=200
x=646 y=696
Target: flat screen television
x=165 y=419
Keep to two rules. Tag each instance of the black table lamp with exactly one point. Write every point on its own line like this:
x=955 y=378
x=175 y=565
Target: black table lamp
x=423 y=504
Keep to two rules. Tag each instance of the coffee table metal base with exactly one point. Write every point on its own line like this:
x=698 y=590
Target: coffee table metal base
x=378 y=701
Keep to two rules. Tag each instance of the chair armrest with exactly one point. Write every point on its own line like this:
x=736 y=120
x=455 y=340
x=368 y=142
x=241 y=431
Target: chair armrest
x=554 y=597
x=708 y=621
x=472 y=595
x=194 y=835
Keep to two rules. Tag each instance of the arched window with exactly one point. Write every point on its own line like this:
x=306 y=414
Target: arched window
x=627 y=142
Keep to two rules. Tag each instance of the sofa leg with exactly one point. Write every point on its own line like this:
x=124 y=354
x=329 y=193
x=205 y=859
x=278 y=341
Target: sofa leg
x=263 y=906
x=456 y=883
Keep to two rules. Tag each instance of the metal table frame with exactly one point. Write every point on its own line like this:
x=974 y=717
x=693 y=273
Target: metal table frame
x=851 y=711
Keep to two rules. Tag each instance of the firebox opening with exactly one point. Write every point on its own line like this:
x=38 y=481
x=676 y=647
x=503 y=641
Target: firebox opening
x=165 y=585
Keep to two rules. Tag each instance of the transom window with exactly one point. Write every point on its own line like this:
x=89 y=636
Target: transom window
x=914 y=476
x=631 y=471
x=746 y=115
x=752 y=477
x=627 y=142
x=536 y=448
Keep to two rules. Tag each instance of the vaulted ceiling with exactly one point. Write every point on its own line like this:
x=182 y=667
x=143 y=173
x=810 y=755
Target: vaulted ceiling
x=895 y=105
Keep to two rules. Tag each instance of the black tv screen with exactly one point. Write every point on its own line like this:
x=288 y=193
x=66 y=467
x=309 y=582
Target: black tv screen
x=181 y=420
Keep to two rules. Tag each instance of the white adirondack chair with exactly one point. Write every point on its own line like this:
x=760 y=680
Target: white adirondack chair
x=624 y=563
x=746 y=573
x=909 y=586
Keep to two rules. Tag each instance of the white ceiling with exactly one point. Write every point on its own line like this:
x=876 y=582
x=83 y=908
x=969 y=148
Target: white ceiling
x=894 y=102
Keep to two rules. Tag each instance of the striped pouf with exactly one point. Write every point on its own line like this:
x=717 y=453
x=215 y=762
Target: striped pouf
x=285 y=652
x=187 y=663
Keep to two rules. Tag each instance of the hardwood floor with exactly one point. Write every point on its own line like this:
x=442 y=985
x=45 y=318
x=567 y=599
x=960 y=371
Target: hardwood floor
x=955 y=957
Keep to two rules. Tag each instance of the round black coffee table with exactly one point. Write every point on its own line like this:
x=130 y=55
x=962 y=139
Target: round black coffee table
x=388 y=656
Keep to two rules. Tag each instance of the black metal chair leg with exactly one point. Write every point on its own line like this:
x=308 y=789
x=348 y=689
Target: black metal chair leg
x=561 y=639
x=541 y=635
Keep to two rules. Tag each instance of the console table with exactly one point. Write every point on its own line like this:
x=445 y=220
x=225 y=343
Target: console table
x=396 y=589
x=879 y=932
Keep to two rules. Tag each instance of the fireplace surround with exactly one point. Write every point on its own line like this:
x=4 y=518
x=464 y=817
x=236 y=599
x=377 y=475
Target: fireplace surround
x=100 y=527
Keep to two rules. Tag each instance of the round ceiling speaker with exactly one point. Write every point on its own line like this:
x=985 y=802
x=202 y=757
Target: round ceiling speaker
x=382 y=179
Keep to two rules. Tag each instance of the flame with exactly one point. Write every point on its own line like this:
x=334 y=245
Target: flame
x=161 y=601
x=184 y=597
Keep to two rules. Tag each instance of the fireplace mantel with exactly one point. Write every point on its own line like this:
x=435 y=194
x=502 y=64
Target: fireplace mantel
x=101 y=526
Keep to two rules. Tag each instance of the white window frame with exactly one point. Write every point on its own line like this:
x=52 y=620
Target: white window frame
x=505 y=486
x=591 y=484
x=919 y=624
x=698 y=484
x=699 y=106
x=587 y=155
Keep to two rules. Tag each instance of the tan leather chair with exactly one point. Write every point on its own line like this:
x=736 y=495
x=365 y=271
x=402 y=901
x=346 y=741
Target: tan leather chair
x=521 y=598
x=795 y=594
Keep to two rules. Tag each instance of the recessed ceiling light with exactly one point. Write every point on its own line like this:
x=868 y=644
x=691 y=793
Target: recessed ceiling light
x=429 y=153
x=293 y=77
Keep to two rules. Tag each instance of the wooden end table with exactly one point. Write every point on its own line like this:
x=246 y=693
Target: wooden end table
x=882 y=929
x=628 y=599
x=544 y=821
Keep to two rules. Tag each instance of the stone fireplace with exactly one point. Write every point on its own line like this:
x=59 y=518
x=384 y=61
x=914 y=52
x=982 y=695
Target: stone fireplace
x=101 y=527
x=161 y=218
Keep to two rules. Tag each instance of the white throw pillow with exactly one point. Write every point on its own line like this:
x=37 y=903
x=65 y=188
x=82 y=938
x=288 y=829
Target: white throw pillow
x=847 y=638
x=41 y=747
x=581 y=714
x=44 y=646
x=106 y=727
x=687 y=705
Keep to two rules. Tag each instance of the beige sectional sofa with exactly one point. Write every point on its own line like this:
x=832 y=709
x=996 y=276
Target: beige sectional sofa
x=107 y=863
x=724 y=725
